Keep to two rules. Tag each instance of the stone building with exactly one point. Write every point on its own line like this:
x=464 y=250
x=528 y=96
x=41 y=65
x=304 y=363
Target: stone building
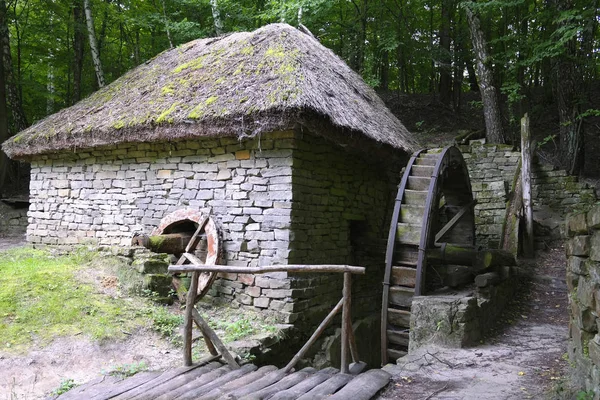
x=292 y=153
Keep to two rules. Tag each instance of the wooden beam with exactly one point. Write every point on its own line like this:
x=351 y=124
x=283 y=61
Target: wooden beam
x=192 y=243
x=314 y=336
x=450 y=224
x=526 y=154
x=266 y=269
x=208 y=332
x=188 y=324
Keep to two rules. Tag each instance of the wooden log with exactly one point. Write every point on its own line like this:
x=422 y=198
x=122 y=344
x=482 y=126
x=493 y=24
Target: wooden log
x=353 y=346
x=493 y=258
x=168 y=387
x=192 y=243
x=196 y=383
x=285 y=383
x=266 y=269
x=487 y=279
x=364 y=386
x=526 y=154
x=346 y=322
x=171 y=243
x=222 y=391
x=188 y=321
x=208 y=332
x=199 y=392
x=478 y=259
x=267 y=380
x=97 y=388
x=301 y=388
x=327 y=388
x=314 y=336
x=162 y=378
x=356 y=367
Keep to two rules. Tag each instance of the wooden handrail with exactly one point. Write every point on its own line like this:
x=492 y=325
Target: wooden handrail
x=266 y=269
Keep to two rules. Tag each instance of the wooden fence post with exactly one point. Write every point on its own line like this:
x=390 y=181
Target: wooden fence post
x=526 y=155
x=346 y=323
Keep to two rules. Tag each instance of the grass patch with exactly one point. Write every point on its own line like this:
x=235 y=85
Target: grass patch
x=42 y=298
x=233 y=324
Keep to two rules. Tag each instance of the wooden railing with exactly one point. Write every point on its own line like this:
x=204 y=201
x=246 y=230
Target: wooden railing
x=215 y=345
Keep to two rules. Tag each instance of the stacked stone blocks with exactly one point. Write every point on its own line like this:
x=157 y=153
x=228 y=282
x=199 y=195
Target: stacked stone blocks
x=583 y=282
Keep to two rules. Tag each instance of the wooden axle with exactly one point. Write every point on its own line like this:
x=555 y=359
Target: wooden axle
x=478 y=259
x=171 y=243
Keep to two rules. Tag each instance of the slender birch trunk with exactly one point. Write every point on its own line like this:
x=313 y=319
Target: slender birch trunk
x=93 y=43
x=216 y=17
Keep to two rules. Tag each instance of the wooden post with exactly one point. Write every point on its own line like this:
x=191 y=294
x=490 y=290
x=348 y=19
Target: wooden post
x=189 y=324
x=314 y=336
x=214 y=339
x=526 y=155
x=346 y=323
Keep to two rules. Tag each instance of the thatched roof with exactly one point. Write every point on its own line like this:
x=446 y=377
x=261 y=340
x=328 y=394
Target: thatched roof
x=241 y=84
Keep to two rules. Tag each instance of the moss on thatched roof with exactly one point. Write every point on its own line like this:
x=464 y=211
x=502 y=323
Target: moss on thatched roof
x=241 y=84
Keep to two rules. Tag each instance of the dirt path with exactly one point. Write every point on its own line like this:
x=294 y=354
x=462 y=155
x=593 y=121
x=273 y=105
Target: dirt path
x=522 y=359
x=36 y=374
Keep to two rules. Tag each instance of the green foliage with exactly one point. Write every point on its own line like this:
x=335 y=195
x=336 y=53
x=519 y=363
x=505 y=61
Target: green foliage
x=583 y=395
x=165 y=322
x=64 y=387
x=126 y=370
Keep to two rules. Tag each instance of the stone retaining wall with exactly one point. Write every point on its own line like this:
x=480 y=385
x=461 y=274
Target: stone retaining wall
x=583 y=282
x=492 y=169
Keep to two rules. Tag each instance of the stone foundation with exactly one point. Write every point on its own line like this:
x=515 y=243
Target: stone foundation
x=583 y=283
x=457 y=319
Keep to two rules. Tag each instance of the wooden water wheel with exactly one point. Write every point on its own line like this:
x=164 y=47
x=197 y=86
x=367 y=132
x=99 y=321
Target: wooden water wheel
x=433 y=209
x=193 y=237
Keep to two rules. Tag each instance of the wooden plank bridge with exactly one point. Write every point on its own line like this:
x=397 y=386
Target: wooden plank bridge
x=212 y=379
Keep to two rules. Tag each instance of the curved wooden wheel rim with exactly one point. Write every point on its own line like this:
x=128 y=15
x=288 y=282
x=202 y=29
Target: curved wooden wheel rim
x=430 y=178
x=206 y=279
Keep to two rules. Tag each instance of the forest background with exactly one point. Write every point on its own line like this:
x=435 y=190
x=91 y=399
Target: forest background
x=535 y=56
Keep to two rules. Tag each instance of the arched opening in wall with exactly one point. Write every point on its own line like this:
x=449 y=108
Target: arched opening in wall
x=183 y=226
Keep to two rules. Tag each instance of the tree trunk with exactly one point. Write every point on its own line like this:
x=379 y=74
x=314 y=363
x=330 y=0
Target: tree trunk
x=14 y=106
x=4 y=160
x=167 y=21
x=384 y=70
x=567 y=87
x=445 y=61
x=216 y=17
x=78 y=49
x=489 y=95
x=93 y=43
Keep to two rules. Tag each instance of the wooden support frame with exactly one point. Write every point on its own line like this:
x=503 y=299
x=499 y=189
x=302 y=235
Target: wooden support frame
x=452 y=223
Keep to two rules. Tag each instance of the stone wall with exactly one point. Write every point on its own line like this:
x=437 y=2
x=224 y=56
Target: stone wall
x=583 y=282
x=492 y=169
x=13 y=219
x=286 y=197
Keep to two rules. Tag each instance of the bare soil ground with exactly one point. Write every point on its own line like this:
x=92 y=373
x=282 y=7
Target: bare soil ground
x=522 y=358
